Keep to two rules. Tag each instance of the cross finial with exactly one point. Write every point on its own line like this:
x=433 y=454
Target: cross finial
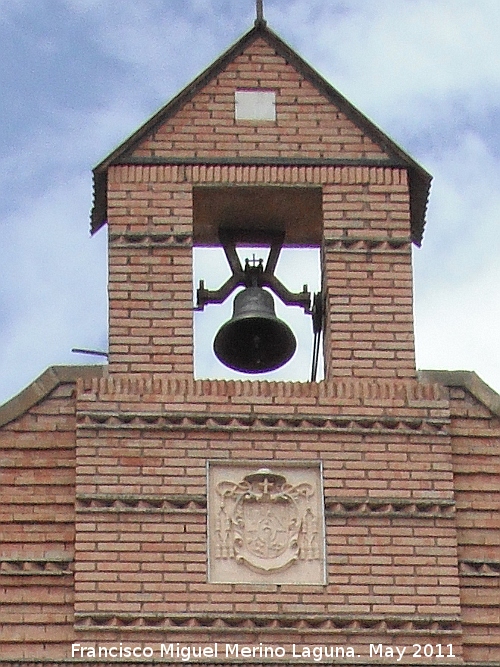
x=260 y=13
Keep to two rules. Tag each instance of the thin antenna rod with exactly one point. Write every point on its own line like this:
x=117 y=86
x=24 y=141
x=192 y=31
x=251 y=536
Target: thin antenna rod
x=260 y=12
x=97 y=353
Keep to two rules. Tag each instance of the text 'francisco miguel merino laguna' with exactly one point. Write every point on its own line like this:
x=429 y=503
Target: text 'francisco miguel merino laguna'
x=188 y=652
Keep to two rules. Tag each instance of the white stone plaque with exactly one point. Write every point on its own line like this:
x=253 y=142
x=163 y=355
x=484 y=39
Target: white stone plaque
x=265 y=523
x=255 y=105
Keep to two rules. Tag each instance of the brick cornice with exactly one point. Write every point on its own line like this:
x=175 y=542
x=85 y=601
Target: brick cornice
x=255 y=172
x=394 y=392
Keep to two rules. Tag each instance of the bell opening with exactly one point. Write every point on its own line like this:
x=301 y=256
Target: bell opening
x=296 y=266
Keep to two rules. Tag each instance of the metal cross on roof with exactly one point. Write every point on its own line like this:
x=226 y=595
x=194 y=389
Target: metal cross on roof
x=260 y=12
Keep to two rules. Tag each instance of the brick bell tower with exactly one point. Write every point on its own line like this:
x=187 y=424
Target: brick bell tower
x=252 y=520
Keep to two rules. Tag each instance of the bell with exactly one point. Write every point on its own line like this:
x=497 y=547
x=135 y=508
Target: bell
x=254 y=340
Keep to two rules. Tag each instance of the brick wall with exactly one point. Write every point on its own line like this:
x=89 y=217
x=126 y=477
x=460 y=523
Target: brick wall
x=141 y=555
x=476 y=464
x=37 y=530
x=392 y=477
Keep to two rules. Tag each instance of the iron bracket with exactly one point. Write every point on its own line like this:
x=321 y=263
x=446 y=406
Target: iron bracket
x=253 y=274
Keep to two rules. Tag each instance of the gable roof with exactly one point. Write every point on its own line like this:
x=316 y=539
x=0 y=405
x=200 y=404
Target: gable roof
x=468 y=380
x=419 y=178
x=43 y=386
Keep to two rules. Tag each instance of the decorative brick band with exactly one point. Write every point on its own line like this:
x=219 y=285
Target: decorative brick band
x=38 y=566
x=196 y=504
x=358 y=392
x=128 y=239
x=173 y=504
x=318 y=174
x=479 y=568
x=390 y=507
x=182 y=420
x=354 y=244
x=375 y=245
x=415 y=625
x=266 y=663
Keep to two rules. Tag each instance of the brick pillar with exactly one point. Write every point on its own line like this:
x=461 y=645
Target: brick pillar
x=367 y=275
x=150 y=271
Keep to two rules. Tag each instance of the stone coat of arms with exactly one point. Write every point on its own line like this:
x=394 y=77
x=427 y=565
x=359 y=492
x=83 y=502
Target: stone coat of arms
x=265 y=522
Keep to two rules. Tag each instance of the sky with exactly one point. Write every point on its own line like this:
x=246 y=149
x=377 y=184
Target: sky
x=78 y=76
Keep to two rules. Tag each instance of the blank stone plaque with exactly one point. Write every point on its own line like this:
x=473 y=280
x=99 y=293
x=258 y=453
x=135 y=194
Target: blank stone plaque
x=266 y=523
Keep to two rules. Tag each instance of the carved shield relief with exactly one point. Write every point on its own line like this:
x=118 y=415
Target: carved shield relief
x=265 y=523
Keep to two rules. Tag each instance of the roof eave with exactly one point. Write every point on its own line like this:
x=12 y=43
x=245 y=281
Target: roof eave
x=43 y=386
x=468 y=380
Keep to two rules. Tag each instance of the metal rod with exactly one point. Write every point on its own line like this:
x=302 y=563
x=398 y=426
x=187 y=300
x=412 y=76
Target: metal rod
x=260 y=11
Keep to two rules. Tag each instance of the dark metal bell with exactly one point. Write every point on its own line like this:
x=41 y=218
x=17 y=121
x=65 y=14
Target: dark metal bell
x=254 y=340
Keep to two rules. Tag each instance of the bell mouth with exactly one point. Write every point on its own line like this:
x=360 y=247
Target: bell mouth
x=254 y=340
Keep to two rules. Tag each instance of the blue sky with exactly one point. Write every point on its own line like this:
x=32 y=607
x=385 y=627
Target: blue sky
x=78 y=76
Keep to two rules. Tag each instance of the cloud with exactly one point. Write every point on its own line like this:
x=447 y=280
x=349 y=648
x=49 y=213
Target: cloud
x=457 y=272
x=54 y=277
x=404 y=61
x=458 y=329
x=165 y=44
x=428 y=73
